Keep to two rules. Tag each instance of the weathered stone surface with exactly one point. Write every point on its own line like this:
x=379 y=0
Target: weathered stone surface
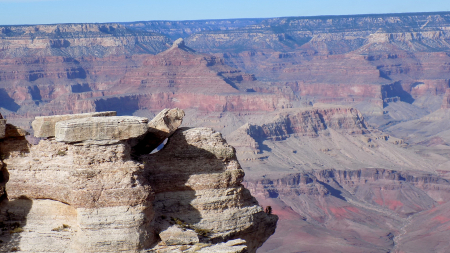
x=2 y=128
x=44 y=126
x=166 y=123
x=13 y=131
x=175 y=235
x=97 y=198
x=163 y=125
x=104 y=188
x=206 y=191
x=107 y=129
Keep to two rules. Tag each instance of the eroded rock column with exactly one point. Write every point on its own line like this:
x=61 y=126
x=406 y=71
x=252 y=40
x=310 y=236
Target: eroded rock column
x=197 y=182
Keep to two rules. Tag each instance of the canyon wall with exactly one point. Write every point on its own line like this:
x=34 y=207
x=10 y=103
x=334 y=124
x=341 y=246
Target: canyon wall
x=366 y=61
x=325 y=170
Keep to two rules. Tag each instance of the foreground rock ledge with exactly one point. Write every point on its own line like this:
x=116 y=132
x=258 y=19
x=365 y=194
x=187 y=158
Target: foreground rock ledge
x=97 y=197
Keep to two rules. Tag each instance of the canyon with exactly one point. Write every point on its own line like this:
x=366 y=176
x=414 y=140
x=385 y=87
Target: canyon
x=341 y=123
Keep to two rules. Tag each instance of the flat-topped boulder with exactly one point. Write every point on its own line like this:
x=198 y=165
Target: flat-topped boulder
x=100 y=129
x=44 y=126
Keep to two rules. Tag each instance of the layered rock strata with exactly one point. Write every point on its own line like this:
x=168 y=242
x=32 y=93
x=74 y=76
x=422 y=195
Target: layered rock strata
x=115 y=128
x=88 y=195
x=45 y=126
x=205 y=193
x=366 y=210
x=309 y=121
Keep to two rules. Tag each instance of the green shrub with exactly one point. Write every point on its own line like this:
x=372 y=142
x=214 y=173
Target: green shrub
x=17 y=230
x=202 y=231
x=61 y=153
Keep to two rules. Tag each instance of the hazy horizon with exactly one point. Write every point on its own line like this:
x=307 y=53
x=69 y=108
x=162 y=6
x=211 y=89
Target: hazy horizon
x=30 y=12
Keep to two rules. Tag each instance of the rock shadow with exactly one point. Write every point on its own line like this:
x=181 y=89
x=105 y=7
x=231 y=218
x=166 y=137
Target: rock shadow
x=13 y=217
x=396 y=90
x=333 y=191
x=169 y=172
x=7 y=102
x=14 y=145
x=12 y=213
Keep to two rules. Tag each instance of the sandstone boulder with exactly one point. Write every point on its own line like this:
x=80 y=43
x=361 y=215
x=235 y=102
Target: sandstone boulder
x=106 y=129
x=45 y=126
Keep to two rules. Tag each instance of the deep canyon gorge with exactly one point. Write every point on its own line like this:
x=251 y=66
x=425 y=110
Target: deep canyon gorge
x=340 y=123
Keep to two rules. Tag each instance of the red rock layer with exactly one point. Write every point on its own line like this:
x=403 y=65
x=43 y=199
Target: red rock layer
x=175 y=78
x=363 y=210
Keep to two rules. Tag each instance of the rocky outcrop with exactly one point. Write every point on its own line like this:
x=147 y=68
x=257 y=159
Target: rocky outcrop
x=207 y=198
x=161 y=127
x=310 y=121
x=95 y=195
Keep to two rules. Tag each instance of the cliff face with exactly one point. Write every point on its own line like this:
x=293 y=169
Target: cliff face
x=177 y=77
x=309 y=122
x=76 y=40
x=91 y=190
x=332 y=34
x=368 y=62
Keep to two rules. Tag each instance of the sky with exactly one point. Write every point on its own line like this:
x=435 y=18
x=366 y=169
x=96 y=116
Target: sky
x=16 y=12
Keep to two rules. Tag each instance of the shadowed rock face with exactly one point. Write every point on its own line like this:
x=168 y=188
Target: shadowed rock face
x=197 y=180
x=93 y=196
